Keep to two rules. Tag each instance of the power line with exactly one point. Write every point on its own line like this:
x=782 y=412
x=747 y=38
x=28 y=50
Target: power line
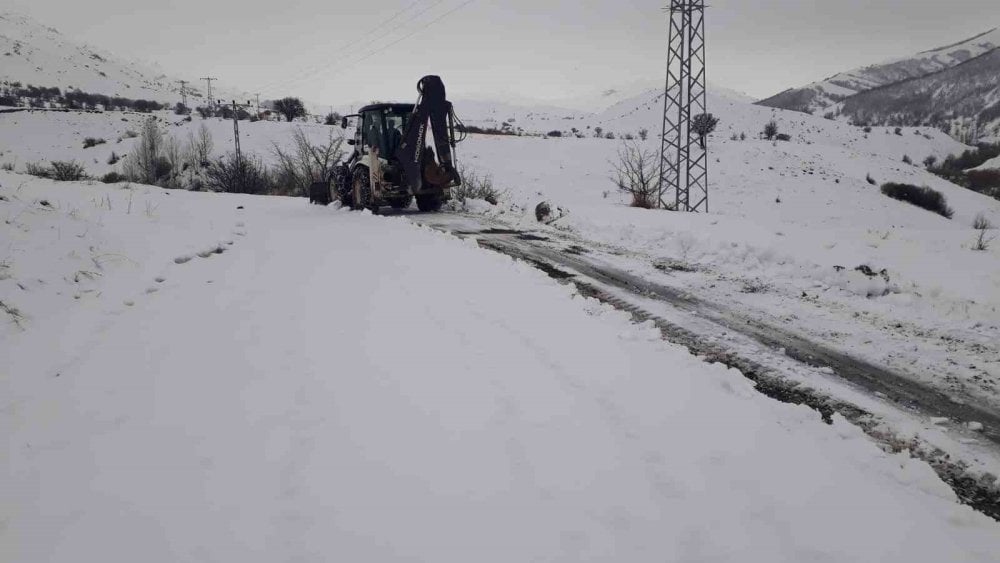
x=401 y=39
x=405 y=37
x=363 y=40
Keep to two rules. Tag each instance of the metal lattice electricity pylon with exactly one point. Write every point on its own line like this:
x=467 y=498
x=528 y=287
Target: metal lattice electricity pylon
x=683 y=163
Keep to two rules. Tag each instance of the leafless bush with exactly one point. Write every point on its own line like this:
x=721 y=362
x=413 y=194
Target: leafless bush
x=983 y=237
x=635 y=174
x=475 y=186
x=304 y=163
x=243 y=175
x=67 y=171
x=38 y=169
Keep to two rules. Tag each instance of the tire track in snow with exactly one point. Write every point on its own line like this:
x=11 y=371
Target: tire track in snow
x=607 y=284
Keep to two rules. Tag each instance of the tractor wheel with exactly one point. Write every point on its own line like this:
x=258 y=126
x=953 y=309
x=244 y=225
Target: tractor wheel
x=429 y=202
x=401 y=203
x=342 y=185
x=361 y=195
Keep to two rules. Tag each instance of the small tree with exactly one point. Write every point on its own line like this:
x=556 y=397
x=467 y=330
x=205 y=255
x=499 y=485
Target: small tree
x=907 y=159
x=704 y=125
x=771 y=130
x=643 y=133
x=598 y=131
x=635 y=174
x=199 y=148
x=181 y=109
x=144 y=164
x=332 y=118
x=930 y=161
x=290 y=108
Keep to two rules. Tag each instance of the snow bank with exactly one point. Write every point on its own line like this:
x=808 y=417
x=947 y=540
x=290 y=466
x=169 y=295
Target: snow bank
x=339 y=386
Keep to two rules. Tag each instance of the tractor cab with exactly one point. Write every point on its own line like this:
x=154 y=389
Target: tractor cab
x=379 y=128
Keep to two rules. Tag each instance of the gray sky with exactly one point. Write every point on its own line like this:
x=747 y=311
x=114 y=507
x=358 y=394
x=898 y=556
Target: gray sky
x=507 y=49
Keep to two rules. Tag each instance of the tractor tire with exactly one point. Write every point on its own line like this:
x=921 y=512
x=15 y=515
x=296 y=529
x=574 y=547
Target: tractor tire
x=429 y=202
x=342 y=185
x=401 y=203
x=361 y=194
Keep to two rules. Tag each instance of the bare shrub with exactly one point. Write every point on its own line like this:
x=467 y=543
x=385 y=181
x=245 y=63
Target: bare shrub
x=243 y=175
x=981 y=223
x=643 y=133
x=304 y=163
x=475 y=186
x=983 y=236
x=113 y=178
x=8 y=166
x=921 y=196
x=636 y=175
x=67 y=171
x=38 y=169
x=92 y=142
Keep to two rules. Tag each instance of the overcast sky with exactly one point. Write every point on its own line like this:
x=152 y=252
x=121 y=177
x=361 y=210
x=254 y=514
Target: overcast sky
x=510 y=49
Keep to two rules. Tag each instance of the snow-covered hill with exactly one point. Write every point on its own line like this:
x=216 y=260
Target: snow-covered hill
x=32 y=53
x=963 y=99
x=819 y=96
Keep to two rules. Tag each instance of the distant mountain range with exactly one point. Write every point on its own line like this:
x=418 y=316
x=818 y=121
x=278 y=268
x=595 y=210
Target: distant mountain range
x=956 y=88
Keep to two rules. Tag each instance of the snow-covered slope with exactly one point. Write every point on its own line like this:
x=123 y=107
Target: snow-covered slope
x=189 y=381
x=39 y=136
x=32 y=53
x=819 y=96
x=958 y=99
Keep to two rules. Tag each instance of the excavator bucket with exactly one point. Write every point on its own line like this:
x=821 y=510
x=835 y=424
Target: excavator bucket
x=434 y=107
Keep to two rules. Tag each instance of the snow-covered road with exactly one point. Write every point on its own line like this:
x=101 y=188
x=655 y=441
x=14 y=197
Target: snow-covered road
x=337 y=386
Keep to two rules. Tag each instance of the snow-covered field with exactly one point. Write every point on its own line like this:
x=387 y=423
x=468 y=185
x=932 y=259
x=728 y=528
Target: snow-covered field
x=211 y=377
x=44 y=136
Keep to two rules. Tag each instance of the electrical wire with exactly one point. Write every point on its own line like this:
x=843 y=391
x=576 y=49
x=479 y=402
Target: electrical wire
x=407 y=36
x=366 y=41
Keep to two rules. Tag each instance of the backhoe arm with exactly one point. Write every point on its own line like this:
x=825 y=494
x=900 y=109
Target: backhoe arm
x=433 y=107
